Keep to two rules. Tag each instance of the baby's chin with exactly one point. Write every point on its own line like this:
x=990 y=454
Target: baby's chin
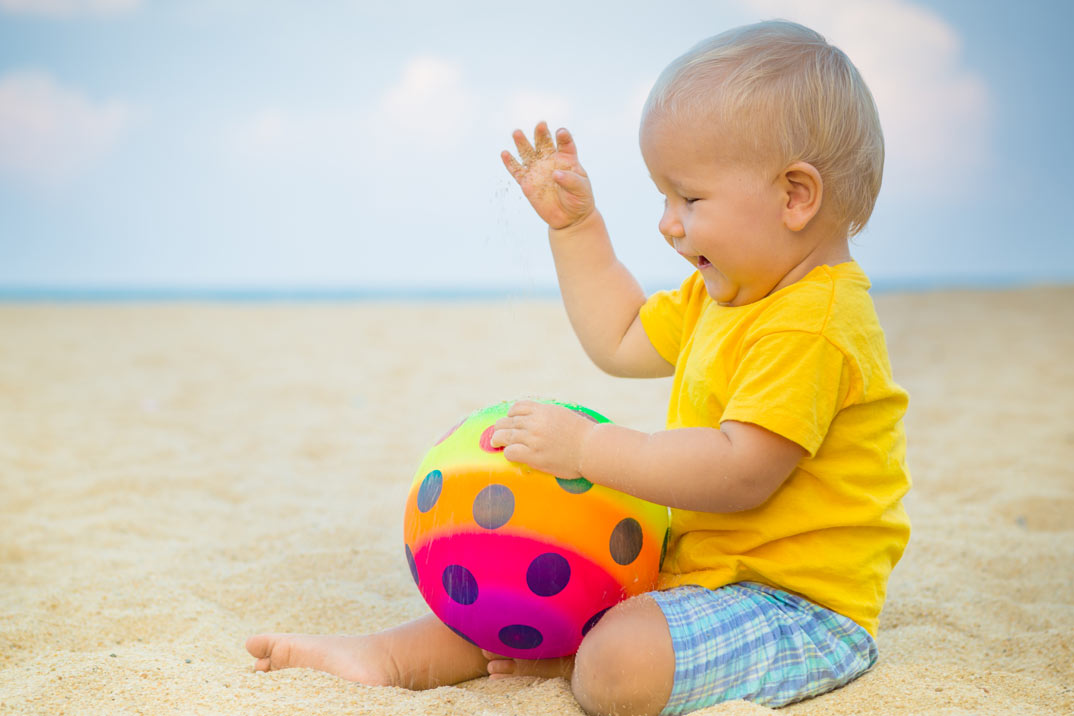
x=719 y=288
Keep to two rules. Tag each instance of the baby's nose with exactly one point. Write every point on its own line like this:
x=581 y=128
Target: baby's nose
x=670 y=226
x=669 y=222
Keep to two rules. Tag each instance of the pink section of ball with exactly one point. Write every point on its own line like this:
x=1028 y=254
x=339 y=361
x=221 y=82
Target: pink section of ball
x=486 y=440
x=504 y=604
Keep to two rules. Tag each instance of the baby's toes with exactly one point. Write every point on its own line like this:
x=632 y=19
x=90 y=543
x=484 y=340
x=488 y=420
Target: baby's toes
x=260 y=645
x=502 y=668
x=498 y=665
x=270 y=650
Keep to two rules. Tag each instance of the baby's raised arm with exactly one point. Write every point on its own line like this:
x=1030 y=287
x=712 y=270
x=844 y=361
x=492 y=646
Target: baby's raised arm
x=601 y=296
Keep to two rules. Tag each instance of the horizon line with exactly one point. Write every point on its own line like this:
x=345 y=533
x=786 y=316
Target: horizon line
x=43 y=293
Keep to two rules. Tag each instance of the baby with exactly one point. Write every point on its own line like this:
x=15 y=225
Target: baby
x=783 y=461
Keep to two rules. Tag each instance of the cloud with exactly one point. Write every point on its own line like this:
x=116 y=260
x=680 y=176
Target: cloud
x=431 y=102
x=68 y=8
x=48 y=133
x=431 y=109
x=936 y=111
x=430 y=105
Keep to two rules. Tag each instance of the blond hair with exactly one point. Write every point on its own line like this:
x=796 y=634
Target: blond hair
x=780 y=87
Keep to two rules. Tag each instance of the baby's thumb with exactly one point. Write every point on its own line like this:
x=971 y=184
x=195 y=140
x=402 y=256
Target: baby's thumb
x=572 y=182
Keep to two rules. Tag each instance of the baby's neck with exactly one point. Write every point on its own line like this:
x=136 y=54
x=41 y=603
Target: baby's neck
x=831 y=250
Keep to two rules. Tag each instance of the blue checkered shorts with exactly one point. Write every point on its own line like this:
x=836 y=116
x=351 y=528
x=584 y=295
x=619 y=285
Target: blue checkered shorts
x=749 y=641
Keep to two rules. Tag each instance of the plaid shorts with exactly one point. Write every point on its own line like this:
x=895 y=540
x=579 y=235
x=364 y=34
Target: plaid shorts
x=749 y=641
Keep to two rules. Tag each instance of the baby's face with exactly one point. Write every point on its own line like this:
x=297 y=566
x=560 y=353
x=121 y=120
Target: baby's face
x=721 y=214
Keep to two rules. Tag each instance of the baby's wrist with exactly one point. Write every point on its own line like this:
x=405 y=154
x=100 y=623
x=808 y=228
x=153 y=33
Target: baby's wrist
x=586 y=444
x=580 y=226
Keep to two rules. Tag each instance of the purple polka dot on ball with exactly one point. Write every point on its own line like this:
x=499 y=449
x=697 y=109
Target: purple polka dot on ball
x=460 y=584
x=429 y=492
x=413 y=565
x=494 y=506
x=625 y=543
x=521 y=636
x=548 y=574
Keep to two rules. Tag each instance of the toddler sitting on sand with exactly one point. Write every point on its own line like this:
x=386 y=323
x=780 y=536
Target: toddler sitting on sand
x=784 y=455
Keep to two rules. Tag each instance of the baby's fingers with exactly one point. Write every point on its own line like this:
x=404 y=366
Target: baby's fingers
x=507 y=432
x=572 y=182
x=517 y=452
x=543 y=139
x=565 y=142
x=509 y=161
x=526 y=152
x=521 y=407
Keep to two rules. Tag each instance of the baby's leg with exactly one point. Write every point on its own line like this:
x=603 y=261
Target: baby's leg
x=625 y=665
x=421 y=654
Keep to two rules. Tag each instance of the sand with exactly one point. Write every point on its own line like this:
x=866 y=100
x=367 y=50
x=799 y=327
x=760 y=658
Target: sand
x=174 y=478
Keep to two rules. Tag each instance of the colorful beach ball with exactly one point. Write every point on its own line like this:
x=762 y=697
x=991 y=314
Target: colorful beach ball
x=518 y=561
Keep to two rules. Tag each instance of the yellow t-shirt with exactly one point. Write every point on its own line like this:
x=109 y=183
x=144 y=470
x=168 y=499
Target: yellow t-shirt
x=808 y=362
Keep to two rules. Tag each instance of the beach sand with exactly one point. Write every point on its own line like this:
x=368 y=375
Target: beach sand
x=175 y=478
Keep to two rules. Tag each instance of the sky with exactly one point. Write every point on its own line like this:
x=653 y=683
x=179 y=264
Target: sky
x=345 y=144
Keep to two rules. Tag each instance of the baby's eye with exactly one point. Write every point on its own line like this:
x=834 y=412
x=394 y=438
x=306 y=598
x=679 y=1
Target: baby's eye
x=689 y=199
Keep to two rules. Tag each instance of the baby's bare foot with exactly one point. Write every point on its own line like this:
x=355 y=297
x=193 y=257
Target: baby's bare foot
x=501 y=667
x=353 y=658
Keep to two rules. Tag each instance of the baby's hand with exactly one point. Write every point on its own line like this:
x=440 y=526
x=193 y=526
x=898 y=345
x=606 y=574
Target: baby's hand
x=551 y=177
x=546 y=437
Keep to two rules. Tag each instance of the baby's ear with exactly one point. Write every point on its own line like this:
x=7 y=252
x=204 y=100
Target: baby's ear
x=804 y=192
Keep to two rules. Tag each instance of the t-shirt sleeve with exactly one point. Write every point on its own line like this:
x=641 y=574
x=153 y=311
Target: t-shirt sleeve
x=791 y=383
x=663 y=316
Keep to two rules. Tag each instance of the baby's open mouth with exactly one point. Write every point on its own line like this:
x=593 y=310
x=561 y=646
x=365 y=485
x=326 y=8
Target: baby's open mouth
x=702 y=262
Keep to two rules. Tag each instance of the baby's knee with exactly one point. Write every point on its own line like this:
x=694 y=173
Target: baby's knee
x=625 y=665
